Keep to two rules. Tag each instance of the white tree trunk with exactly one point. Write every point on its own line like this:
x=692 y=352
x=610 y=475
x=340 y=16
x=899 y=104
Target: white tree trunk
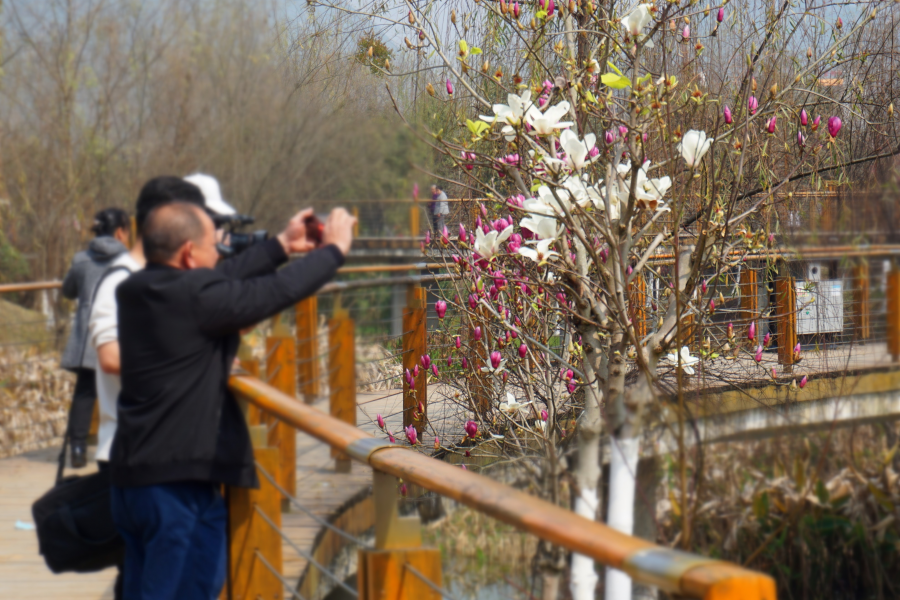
x=623 y=462
x=583 y=577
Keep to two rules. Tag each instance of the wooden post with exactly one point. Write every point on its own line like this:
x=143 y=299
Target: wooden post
x=786 y=312
x=251 y=365
x=414 y=347
x=281 y=372
x=893 y=313
x=637 y=301
x=342 y=376
x=383 y=573
x=861 y=309
x=307 y=319
x=355 y=212
x=414 y=219
x=749 y=290
x=249 y=533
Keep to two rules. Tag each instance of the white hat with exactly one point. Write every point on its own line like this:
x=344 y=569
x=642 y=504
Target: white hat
x=212 y=195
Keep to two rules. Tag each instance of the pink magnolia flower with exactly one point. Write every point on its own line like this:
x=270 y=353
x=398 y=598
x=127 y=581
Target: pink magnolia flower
x=465 y=363
x=440 y=307
x=426 y=360
x=759 y=352
x=609 y=137
x=458 y=342
x=462 y=232
x=571 y=388
x=803 y=382
x=767 y=339
x=720 y=16
x=730 y=330
x=476 y=333
x=727 y=113
x=752 y=104
x=686 y=32
x=623 y=131
x=445 y=236
x=751 y=331
x=770 y=125
x=834 y=126
x=551 y=8
x=523 y=350
x=464 y=468
x=434 y=369
x=496 y=358
x=415 y=371
x=391 y=438
x=449 y=87
x=804 y=118
x=380 y=420
x=449 y=361
x=427 y=237
x=471 y=429
x=816 y=121
x=703 y=287
x=712 y=305
x=774 y=373
x=544 y=415
x=412 y=435
x=516 y=10
x=801 y=141
x=437 y=443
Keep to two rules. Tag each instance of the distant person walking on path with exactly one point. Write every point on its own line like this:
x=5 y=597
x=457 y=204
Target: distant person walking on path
x=181 y=434
x=111 y=226
x=440 y=208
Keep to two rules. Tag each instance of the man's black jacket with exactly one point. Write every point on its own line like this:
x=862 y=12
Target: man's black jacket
x=178 y=335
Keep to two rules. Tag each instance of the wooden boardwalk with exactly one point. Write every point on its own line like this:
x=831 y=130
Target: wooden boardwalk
x=24 y=478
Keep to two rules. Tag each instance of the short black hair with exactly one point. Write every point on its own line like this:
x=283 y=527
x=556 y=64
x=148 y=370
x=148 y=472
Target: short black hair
x=438 y=186
x=164 y=190
x=108 y=220
x=168 y=227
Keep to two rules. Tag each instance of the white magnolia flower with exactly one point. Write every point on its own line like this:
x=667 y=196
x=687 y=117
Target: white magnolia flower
x=544 y=227
x=511 y=114
x=577 y=151
x=693 y=146
x=541 y=253
x=487 y=245
x=539 y=206
x=637 y=19
x=649 y=191
x=579 y=190
x=512 y=406
x=545 y=123
x=618 y=196
x=686 y=360
x=545 y=195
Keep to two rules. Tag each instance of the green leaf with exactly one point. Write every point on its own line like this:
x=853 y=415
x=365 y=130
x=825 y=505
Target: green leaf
x=617 y=82
x=477 y=127
x=475 y=50
x=464 y=47
x=590 y=97
x=614 y=68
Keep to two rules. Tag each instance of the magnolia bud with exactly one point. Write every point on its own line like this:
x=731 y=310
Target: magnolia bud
x=774 y=89
x=370 y=52
x=430 y=89
x=890 y=110
x=809 y=53
x=412 y=19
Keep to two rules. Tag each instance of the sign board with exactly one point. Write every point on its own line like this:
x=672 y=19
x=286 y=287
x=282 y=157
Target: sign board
x=820 y=306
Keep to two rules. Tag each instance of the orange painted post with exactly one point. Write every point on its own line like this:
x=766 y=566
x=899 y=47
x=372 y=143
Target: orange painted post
x=786 y=312
x=307 y=320
x=342 y=377
x=637 y=300
x=281 y=372
x=249 y=534
x=414 y=219
x=749 y=300
x=355 y=212
x=251 y=365
x=414 y=348
x=861 y=309
x=893 y=312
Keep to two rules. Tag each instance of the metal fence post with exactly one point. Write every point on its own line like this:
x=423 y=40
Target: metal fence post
x=861 y=310
x=281 y=372
x=414 y=347
x=893 y=312
x=250 y=534
x=342 y=376
x=307 y=321
x=398 y=568
x=786 y=311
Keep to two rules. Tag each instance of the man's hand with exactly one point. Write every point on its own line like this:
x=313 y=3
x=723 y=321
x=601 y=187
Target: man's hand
x=293 y=239
x=339 y=230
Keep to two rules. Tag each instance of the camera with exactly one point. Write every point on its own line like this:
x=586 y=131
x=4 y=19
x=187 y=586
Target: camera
x=233 y=241
x=315 y=228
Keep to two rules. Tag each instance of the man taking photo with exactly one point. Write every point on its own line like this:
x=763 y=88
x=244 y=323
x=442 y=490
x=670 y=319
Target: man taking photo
x=181 y=433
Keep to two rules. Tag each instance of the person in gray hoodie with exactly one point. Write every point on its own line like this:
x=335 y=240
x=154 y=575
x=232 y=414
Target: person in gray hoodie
x=111 y=226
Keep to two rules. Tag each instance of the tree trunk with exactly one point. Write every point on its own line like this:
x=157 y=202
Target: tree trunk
x=623 y=461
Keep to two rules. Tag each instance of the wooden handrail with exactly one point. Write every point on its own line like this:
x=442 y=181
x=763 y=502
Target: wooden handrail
x=671 y=570
x=30 y=286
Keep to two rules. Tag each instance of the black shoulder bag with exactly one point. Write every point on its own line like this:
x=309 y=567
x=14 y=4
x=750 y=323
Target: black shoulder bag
x=74 y=523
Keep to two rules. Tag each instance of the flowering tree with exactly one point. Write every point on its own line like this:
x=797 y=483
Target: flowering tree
x=604 y=137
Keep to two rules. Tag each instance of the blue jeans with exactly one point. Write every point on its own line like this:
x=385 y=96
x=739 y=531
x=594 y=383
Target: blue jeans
x=174 y=540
